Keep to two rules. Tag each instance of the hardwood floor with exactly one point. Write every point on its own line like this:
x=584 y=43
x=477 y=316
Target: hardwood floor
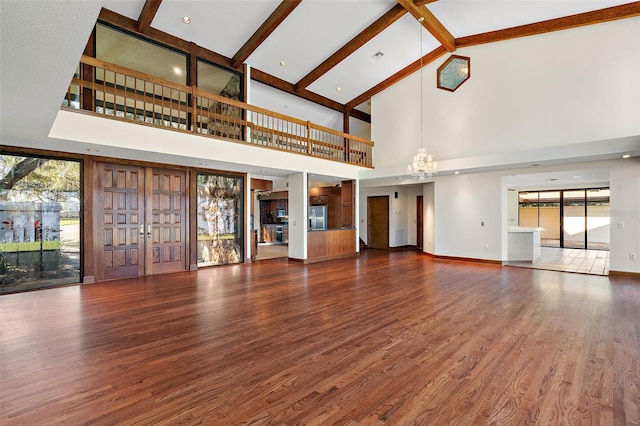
x=395 y=338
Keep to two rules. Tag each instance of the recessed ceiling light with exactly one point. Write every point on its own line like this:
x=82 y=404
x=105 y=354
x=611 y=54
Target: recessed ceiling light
x=186 y=20
x=338 y=88
x=456 y=173
x=399 y=178
x=626 y=156
x=177 y=70
x=283 y=63
x=577 y=176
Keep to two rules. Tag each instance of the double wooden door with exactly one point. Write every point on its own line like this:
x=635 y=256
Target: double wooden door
x=140 y=221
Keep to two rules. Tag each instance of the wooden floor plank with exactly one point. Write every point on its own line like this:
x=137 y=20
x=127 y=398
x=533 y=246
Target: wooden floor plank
x=385 y=338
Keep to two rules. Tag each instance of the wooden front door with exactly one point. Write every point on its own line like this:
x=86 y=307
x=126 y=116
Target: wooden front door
x=378 y=222
x=165 y=252
x=140 y=221
x=420 y=222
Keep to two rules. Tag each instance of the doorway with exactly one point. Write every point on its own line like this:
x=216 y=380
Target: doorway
x=378 y=222
x=140 y=221
x=573 y=219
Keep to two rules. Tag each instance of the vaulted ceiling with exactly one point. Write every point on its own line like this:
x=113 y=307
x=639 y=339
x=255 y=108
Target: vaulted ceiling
x=340 y=53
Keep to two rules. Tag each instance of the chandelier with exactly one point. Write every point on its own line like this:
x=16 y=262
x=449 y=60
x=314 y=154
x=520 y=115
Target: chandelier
x=422 y=165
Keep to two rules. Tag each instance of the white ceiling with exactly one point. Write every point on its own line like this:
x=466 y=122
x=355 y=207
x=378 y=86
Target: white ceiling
x=318 y=28
x=41 y=42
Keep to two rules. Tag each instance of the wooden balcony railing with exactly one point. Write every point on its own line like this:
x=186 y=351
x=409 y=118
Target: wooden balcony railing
x=106 y=89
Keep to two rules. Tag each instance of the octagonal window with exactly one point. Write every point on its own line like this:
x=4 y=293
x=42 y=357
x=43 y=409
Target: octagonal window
x=454 y=72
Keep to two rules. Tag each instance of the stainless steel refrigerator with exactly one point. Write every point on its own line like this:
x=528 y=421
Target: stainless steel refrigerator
x=318 y=217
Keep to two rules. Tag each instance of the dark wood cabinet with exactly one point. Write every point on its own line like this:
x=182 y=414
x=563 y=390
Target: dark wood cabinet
x=318 y=200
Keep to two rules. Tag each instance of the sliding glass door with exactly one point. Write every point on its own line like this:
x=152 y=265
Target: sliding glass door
x=577 y=218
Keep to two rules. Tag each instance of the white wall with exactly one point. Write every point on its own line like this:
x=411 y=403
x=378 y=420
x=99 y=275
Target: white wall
x=429 y=221
x=512 y=208
x=298 y=196
x=469 y=216
x=625 y=209
x=562 y=89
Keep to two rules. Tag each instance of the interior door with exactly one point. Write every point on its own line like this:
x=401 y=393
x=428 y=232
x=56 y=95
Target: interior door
x=419 y=222
x=378 y=222
x=140 y=221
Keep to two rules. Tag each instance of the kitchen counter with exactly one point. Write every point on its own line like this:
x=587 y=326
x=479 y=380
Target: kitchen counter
x=328 y=244
x=523 y=243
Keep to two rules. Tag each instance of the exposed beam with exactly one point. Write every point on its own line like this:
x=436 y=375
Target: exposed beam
x=287 y=87
x=357 y=42
x=623 y=11
x=411 y=68
x=431 y=23
x=149 y=11
x=261 y=34
x=129 y=24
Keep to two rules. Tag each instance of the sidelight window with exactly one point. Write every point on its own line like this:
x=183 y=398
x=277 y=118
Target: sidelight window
x=220 y=213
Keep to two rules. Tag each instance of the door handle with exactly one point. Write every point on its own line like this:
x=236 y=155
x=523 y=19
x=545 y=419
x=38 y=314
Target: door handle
x=141 y=230
x=148 y=230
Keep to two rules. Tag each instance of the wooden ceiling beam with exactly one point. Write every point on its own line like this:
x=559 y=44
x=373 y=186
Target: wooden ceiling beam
x=147 y=14
x=265 y=30
x=430 y=23
x=411 y=68
x=357 y=42
x=623 y=11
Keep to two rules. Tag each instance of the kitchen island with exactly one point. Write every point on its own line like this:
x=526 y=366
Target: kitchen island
x=329 y=244
x=524 y=243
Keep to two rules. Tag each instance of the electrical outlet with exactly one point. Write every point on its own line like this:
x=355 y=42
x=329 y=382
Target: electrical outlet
x=482 y=223
x=632 y=256
x=620 y=225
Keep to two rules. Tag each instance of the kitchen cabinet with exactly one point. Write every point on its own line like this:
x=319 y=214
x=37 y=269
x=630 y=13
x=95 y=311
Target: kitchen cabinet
x=273 y=233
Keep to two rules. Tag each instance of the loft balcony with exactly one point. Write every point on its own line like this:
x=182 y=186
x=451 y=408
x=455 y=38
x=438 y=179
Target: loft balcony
x=108 y=90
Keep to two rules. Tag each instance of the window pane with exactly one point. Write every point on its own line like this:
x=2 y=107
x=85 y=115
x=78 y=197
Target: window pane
x=528 y=209
x=598 y=219
x=219 y=81
x=550 y=218
x=220 y=219
x=39 y=222
x=574 y=219
x=128 y=51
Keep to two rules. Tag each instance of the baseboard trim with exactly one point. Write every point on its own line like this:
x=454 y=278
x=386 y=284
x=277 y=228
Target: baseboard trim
x=463 y=259
x=624 y=274
x=324 y=258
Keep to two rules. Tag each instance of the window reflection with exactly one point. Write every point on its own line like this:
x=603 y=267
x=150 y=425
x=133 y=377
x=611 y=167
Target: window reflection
x=39 y=222
x=219 y=219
